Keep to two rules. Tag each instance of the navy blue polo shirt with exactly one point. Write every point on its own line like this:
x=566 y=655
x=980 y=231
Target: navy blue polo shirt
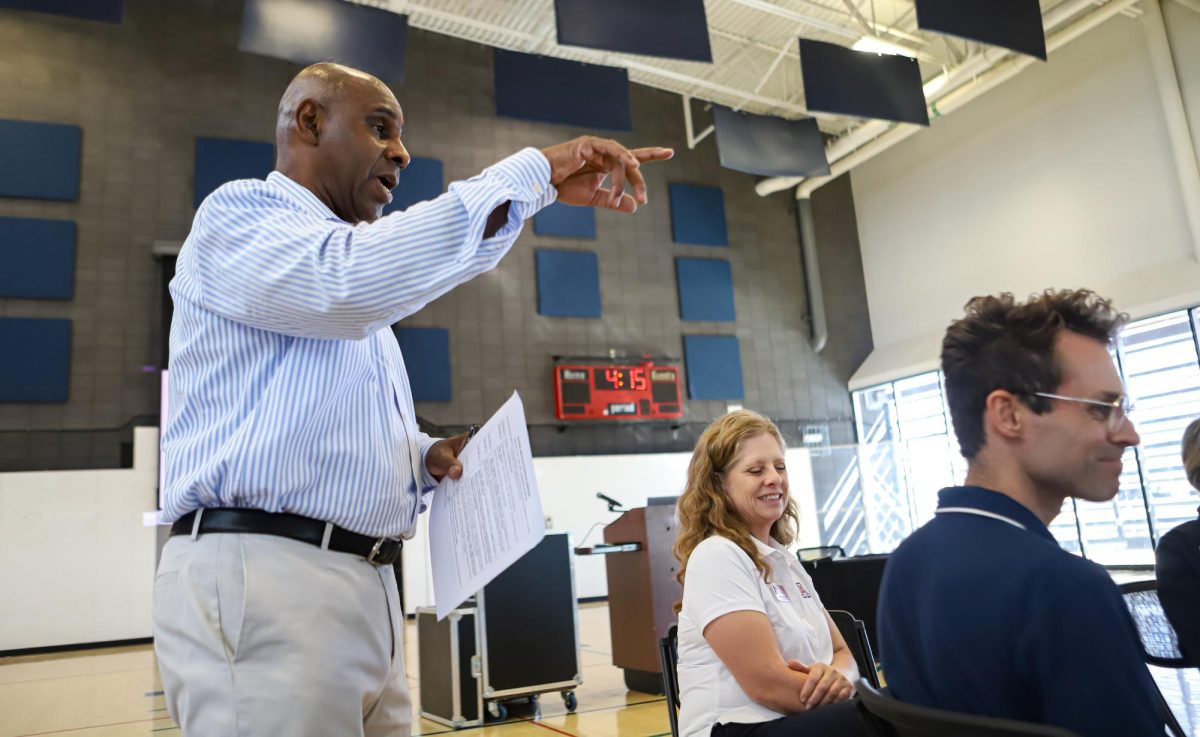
x=981 y=611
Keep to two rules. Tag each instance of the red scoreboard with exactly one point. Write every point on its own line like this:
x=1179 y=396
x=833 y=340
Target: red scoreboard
x=608 y=391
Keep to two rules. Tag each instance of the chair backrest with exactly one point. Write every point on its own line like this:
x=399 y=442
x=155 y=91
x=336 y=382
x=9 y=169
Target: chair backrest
x=887 y=717
x=668 y=655
x=1159 y=641
x=821 y=552
x=854 y=632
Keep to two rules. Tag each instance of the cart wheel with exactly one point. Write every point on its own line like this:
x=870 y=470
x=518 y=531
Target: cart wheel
x=570 y=700
x=498 y=711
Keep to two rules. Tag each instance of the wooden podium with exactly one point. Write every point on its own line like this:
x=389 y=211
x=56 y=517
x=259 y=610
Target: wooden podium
x=642 y=590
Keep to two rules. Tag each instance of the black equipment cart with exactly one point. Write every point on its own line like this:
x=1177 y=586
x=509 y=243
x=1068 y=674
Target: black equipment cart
x=519 y=639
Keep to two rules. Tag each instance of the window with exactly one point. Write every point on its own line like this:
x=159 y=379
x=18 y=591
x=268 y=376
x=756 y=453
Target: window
x=907 y=451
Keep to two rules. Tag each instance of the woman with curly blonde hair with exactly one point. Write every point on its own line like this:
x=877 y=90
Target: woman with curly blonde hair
x=758 y=654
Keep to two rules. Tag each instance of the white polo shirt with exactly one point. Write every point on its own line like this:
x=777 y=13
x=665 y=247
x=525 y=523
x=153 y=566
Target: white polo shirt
x=721 y=579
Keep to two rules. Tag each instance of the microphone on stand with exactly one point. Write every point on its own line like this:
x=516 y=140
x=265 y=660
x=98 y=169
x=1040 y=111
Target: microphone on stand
x=613 y=504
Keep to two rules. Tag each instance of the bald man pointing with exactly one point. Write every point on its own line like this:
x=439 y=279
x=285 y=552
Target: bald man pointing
x=294 y=466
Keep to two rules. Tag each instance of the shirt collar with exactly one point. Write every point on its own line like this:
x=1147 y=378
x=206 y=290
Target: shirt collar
x=303 y=195
x=768 y=549
x=993 y=503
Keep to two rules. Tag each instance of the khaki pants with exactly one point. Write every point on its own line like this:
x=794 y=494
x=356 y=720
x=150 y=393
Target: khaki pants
x=262 y=635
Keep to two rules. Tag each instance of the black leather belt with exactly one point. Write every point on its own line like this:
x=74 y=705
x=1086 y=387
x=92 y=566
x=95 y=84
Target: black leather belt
x=379 y=551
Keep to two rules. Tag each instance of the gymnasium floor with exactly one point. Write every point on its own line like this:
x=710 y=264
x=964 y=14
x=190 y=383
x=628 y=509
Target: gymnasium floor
x=116 y=693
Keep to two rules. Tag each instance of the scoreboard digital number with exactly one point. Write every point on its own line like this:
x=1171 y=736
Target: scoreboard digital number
x=612 y=392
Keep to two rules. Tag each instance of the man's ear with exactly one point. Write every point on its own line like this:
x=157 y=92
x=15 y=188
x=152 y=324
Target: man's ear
x=1003 y=414
x=310 y=119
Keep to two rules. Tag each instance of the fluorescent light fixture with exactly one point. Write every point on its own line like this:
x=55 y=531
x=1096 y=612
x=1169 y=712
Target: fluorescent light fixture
x=879 y=46
x=935 y=85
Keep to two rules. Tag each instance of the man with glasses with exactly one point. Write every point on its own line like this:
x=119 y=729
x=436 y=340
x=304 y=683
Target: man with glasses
x=980 y=610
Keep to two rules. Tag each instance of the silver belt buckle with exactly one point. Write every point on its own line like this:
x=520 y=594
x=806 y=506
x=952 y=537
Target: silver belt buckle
x=375 y=551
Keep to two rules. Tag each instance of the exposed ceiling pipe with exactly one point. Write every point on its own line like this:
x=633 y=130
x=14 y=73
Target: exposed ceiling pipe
x=1001 y=73
x=971 y=68
x=1186 y=166
x=689 y=126
x=818 y=326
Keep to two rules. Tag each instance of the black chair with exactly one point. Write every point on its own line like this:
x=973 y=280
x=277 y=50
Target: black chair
x=1160 y=644
x=887 y=717
x=822 y=552
x=668 y=655
x=854 y=632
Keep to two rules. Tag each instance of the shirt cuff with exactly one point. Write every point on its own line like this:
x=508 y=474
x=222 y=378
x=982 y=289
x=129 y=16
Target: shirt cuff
x=527 y=173
x=427 y=482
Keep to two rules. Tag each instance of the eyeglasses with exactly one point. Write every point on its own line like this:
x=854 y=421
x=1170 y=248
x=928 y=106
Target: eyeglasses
x=1114 y=413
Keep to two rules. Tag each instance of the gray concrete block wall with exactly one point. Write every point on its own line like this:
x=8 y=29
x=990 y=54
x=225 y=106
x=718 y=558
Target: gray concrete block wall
x=144 y=90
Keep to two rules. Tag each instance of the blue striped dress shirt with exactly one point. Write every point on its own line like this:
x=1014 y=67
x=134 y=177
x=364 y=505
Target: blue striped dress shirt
x=288 y=392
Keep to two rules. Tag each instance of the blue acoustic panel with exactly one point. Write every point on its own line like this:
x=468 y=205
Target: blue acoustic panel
x=109 y=11
x=37 y=363
x=220 y=160
x=427 y=360
x=714 y=366
x=568 y=283
x=38 y=258
x=549 y=90
x=1013 y=24
x=698 y=215
x=705 y=289
x=862 y=83
x=769 y=146
x=40 y=160
x=565 y=220
x=421 y=180
x=309 y=31
x=636 y=27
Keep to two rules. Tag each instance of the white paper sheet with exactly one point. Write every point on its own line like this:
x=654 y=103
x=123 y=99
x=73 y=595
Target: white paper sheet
x=482 y=523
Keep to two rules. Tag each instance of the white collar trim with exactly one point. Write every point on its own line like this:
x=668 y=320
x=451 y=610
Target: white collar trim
x=981 y=513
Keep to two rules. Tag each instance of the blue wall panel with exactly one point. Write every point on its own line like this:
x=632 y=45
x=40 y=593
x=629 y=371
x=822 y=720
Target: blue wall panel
x=769 y=146
x=421 y=180
x=220 y=160
x=565 y=220
x=37 y=362
x=37 y=258
x=698 y=215
x=549 y=90
x=1013 y=24
x=568 y=283
x=705 y=289
x=40 y=160
x=309 y=31
x=714 y=367
x=864 y=84
x=109 y=11
x=636 y=27
x=427 y=360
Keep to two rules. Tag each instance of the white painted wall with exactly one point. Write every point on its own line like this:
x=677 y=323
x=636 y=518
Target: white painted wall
x=568 y=485
x=76 y=562
x=1061 y=177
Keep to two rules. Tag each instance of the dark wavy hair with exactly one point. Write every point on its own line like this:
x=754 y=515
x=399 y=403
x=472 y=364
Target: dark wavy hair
x=1005 y=344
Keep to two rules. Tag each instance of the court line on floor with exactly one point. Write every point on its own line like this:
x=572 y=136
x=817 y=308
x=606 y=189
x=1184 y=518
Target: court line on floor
x=90 y=726
x=97 y=674
x=531 y=719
